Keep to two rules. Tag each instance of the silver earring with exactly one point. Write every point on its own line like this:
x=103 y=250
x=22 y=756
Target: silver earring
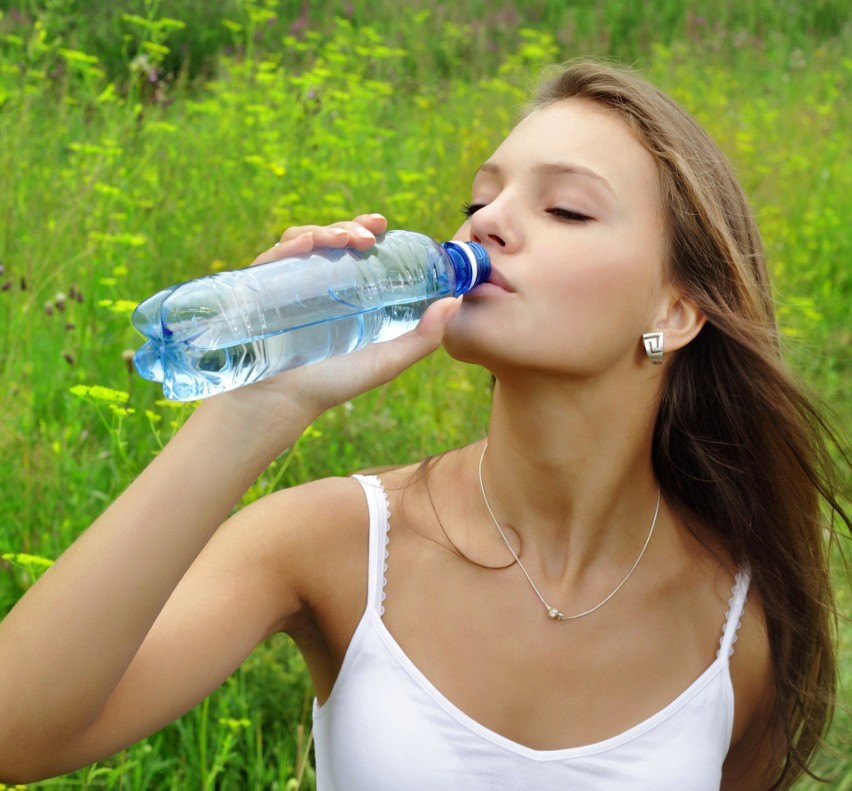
x=654 y=346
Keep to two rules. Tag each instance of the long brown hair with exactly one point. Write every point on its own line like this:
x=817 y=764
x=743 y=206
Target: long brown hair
x=738 y=447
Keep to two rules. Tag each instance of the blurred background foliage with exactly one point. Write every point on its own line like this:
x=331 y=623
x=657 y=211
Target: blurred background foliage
x=143 y=143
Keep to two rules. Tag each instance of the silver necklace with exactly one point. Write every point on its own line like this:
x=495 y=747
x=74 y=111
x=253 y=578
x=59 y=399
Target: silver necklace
x=552 y=612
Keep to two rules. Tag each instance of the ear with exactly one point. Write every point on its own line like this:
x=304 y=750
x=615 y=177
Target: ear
x=678 y=318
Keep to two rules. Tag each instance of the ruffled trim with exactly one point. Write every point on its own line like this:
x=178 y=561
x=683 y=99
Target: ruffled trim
x=385 y=551
x=736 y=606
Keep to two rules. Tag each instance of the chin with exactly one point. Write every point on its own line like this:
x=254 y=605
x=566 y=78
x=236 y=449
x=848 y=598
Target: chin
x=465 y=349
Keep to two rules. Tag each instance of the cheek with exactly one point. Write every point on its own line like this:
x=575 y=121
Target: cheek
x=612 y=285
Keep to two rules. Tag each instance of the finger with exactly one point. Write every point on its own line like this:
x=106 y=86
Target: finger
x=339 y=234
x=359 y=233
x=377 y=223
x=297 y=245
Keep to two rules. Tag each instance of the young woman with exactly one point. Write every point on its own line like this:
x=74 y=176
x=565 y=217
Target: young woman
x=624 y=586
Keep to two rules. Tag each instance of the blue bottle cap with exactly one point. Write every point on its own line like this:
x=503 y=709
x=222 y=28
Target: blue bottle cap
x=471 y=262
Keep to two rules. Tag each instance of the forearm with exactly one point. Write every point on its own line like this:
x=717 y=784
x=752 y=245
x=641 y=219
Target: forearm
x=69 y=640
x=68 y=643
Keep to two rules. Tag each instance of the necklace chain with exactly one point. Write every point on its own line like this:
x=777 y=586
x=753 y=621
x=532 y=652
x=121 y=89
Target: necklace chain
x=552 y=612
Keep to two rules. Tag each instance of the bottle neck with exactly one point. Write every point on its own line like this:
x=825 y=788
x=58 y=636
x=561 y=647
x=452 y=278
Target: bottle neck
x=471 y=264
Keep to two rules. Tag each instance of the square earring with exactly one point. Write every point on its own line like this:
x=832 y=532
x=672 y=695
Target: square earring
x=654 y=346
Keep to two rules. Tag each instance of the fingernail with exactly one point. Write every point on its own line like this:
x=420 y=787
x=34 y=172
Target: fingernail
x=306 y=235
x=363 y=233
x=337 y=231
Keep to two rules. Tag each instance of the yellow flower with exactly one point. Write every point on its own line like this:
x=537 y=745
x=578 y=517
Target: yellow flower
x=100 y=393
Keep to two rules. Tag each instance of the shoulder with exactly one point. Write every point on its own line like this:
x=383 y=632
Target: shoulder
x=318 y=538
x=302 y=541
x=311 y=520
x=306 y=515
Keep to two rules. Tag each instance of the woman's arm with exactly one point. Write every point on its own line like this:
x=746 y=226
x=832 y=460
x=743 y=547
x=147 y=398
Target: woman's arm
x=82 y=671
x=67 y=645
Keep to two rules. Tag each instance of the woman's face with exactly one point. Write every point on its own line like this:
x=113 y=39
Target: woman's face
x=569 y=209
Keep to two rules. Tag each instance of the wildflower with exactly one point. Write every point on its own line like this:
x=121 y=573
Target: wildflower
x=141 y=64
x=32 y=563
x=235 y=724
x=100 y=393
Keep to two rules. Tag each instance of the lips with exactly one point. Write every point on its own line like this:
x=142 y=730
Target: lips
x=496 y=279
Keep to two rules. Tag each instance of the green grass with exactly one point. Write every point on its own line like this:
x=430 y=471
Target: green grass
x=117 y=177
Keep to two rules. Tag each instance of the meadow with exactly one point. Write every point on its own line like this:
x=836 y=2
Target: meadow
x=143 y=143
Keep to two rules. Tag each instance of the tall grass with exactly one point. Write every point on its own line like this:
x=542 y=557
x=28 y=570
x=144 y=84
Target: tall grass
x=144 y=143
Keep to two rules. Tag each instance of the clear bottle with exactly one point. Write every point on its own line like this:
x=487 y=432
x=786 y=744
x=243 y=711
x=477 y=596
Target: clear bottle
x=231 y=329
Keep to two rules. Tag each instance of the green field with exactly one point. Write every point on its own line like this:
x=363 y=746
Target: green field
x=143 y=143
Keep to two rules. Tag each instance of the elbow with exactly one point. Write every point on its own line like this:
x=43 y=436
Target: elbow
x=12 y=777
x=19 y=773
x=14 y=772
x=22 y=764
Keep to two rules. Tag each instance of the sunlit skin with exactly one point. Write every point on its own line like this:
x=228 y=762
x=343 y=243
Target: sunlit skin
x=573 y=224
x=569 y=208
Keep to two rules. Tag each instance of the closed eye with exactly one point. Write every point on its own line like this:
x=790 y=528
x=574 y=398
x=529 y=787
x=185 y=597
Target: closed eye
x=568 y=215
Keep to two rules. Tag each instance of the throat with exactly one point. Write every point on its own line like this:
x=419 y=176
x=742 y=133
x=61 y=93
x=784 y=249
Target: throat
x=553 y=613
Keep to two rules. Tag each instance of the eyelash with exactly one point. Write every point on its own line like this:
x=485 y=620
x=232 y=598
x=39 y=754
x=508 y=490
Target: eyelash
x=565 y=215
x=569 y=215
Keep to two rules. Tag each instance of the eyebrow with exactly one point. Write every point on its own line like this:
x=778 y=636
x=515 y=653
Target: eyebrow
x=554 y=169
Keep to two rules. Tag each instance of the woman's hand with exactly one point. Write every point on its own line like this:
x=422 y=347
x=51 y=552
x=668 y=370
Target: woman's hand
x=359 y=233
x=112 y=643
x=304 y=393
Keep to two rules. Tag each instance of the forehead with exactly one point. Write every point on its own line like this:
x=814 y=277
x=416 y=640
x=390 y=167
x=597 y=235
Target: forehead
x=584 y=134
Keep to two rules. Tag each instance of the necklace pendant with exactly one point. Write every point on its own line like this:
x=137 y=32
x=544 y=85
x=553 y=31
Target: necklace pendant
x=552 y=613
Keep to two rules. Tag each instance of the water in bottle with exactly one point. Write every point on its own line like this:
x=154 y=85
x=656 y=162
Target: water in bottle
x=234 y=328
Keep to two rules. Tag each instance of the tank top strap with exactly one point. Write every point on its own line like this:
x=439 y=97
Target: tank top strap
x=733 y=617
x=379 y=510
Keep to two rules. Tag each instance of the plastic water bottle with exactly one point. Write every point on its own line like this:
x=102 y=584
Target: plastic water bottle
x=231 y=329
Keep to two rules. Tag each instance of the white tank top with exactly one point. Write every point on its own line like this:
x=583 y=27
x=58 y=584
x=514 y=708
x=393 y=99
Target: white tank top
x=385 y=727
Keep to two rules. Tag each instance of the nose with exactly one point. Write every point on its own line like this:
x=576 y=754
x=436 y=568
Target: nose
x=493 y=226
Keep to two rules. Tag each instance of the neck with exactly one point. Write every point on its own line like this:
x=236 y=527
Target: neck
x=570 y=467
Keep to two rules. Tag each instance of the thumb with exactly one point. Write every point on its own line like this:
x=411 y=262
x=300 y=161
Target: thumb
x=433 y=323
x=392 y=357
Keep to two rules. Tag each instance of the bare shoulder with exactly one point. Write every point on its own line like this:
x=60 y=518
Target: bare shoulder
x=308 y=535
x=751 y=761
x=258 y=574
x=314 y=541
